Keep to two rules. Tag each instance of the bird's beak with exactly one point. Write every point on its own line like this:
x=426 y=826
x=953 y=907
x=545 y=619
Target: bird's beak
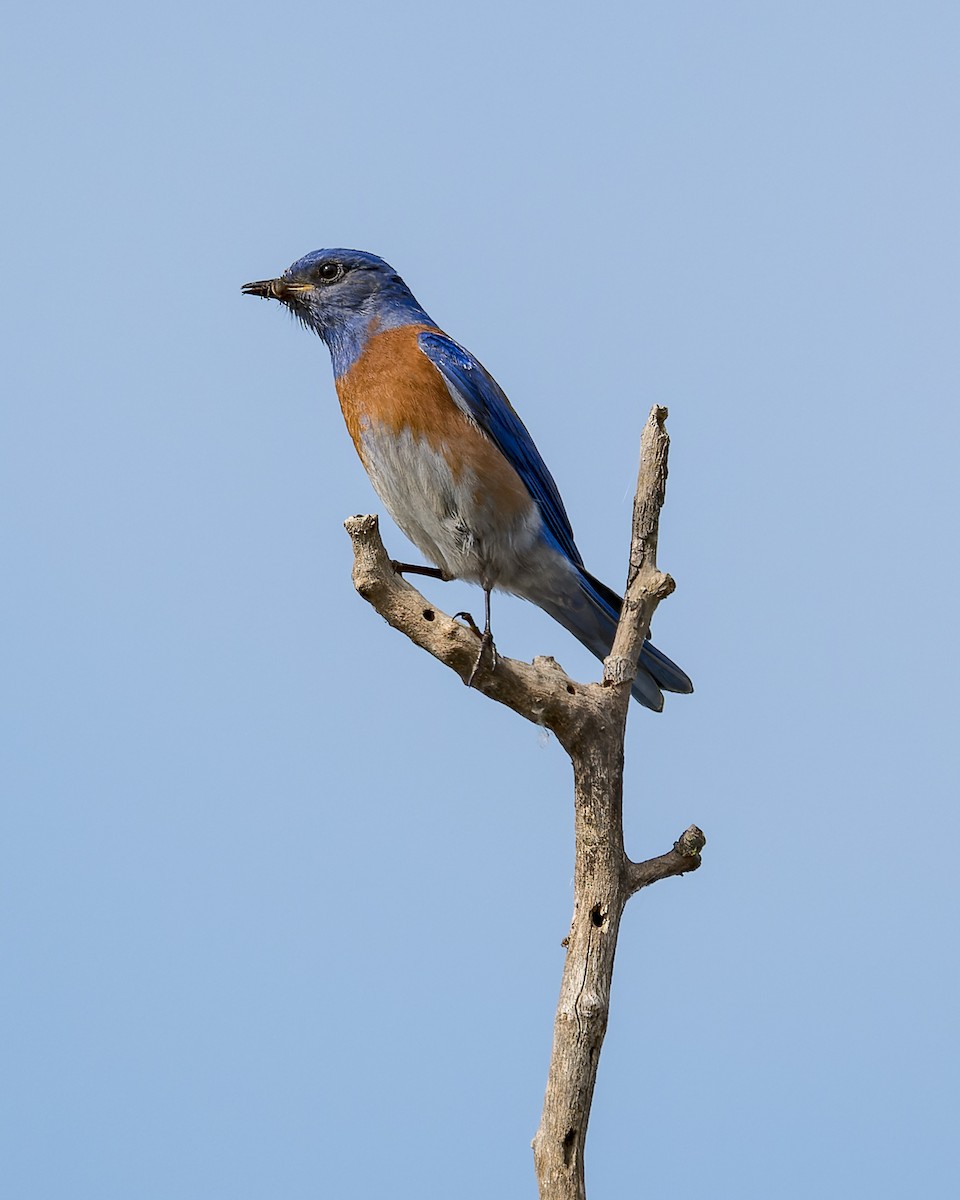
x=275 y=289
x=269 y=289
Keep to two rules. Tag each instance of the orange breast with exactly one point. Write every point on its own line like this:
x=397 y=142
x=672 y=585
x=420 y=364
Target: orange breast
x=394 y=387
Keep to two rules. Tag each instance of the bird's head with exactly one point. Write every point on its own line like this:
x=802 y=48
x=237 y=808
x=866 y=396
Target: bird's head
x=345 y=296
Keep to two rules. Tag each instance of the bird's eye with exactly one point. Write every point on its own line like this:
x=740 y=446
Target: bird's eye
x=329 y=272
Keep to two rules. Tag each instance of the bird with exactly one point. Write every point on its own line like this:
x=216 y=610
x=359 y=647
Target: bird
x=449 y=457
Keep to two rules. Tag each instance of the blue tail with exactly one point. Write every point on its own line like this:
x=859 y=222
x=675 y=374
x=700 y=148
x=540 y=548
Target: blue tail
x=591 y=615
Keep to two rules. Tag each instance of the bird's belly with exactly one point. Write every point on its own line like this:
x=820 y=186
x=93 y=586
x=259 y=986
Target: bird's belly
x=455 y=518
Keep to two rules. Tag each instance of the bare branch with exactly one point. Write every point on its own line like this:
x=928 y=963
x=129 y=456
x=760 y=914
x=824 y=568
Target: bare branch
x=684 y=857
x=589 y=721
x=646 y=585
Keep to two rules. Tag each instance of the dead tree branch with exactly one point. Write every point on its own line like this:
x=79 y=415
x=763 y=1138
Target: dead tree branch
x=589 y=721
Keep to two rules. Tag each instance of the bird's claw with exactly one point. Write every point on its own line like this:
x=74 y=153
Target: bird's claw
x=468 y=619
x=486 y=643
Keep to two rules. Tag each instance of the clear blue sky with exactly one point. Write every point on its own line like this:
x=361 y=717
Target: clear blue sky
x=282 y=900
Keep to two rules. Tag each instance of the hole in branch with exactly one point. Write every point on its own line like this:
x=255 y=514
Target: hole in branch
x=569 y=1141
x=597 y=916
x=571 y=689
x=429 y=614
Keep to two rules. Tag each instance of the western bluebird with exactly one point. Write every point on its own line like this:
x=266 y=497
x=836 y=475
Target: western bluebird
x=448 y=456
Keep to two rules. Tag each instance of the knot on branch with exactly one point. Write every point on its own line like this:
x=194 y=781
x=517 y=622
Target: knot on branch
x=690 y=843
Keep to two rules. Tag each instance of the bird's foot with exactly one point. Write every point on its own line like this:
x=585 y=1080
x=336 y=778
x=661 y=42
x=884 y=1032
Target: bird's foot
x=486 y=643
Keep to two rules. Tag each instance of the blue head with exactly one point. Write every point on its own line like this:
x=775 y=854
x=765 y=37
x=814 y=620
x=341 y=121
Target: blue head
x=345 y=296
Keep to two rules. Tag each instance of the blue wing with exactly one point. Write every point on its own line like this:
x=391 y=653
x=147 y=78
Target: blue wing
x=479 y=396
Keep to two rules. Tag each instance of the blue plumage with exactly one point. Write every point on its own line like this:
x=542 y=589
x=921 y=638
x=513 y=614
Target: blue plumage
x=483 y=400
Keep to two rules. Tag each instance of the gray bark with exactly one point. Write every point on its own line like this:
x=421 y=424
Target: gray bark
x=589 y=720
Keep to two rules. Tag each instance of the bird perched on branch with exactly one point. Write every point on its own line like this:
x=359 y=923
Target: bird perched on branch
x=447 y=454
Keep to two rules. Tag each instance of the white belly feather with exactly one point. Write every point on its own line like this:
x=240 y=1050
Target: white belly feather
x=454 y=521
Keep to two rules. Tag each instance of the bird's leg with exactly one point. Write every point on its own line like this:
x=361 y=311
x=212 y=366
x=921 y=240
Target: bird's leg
x=414 y=569
x=486 y=638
